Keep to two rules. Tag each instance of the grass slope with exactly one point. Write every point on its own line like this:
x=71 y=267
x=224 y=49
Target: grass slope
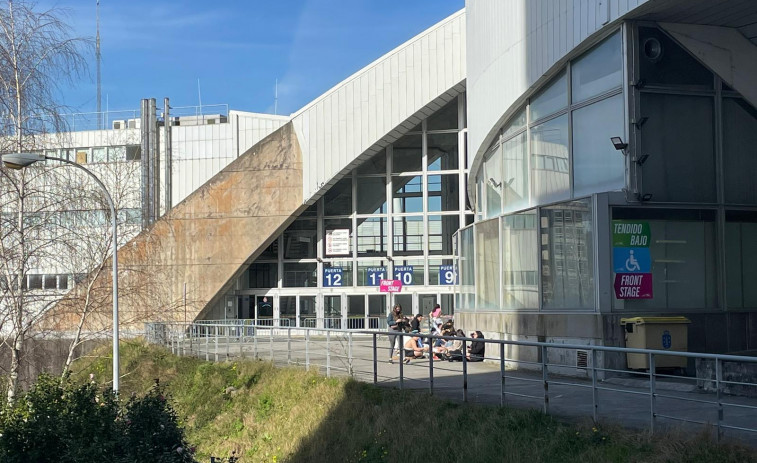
x=287 y=414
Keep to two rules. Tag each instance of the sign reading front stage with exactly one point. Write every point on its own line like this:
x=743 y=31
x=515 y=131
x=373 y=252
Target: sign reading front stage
x=633 y=285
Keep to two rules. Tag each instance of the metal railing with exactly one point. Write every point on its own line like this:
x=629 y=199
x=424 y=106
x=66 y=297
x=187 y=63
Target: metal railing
x=519 y=373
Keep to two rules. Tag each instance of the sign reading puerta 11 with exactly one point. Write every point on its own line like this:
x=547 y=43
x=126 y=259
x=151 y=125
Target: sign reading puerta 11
x=631 y=260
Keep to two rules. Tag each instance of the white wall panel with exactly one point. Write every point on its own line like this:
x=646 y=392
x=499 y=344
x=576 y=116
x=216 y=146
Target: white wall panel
x=366 y=107
x=512 y=44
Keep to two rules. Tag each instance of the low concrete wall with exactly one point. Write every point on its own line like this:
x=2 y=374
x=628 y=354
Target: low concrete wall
x=46 y=355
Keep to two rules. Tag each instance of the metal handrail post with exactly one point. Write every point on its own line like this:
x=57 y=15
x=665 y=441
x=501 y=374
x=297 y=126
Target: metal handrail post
x=270 y=342
x=375 y=360
x=545 y=378
x=718 y=384
x=465 y=372
x=228 y=342
x=502 y=374
x=242 y=331
x=307 y=349
x=289 y=346
x=431 y=367
x=207 y=346
x=652 y=393
x=328 y=352
x=402 y=359
x=255 y=341
x=349 y=353
x=215 y=342
x=594 y=390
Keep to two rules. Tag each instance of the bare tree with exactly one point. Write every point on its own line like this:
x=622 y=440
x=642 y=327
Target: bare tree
x=37 y=55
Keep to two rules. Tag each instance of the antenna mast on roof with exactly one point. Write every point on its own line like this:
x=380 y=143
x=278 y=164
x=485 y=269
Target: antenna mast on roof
x=97 y=57
x=199 y=98
x=276 y=98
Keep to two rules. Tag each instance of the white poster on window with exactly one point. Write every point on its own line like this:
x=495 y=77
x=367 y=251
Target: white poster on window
x=338 y=242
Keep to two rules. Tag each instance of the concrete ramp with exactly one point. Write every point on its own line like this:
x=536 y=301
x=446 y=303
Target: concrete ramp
x=200 y=244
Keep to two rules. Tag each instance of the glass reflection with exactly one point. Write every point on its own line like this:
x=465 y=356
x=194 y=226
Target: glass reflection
x=549 y=160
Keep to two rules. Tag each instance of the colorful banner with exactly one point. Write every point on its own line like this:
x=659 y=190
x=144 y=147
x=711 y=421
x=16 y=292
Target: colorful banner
x=632 y=259
x=633 y=285
x=390 y=286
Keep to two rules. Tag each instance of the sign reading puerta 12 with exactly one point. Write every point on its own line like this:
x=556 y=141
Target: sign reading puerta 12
x=631 y=259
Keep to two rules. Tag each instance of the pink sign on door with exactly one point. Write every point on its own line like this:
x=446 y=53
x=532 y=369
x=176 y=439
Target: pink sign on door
x=633 y=285
x=390 y=286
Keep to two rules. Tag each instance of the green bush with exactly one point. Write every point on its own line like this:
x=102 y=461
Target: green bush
x=58 y=421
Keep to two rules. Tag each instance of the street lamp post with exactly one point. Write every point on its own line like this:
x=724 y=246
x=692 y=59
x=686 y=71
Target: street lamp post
x=21 y=160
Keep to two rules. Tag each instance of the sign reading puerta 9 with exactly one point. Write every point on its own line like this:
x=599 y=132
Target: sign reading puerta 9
x=631 y=259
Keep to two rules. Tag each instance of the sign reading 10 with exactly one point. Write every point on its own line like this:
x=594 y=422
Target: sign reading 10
x=403 y=273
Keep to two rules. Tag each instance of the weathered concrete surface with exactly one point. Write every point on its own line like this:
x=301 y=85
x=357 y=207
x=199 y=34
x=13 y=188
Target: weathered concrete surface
x=204 y=241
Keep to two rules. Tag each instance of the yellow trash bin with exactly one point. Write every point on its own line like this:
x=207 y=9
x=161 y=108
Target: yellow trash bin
x=658 y=333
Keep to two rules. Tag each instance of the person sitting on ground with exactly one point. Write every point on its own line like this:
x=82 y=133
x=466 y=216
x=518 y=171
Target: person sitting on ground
x=455 y=352
x=476 y=351
x=414 y=348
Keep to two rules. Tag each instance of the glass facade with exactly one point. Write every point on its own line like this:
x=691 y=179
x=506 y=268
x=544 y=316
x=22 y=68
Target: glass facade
x=684 y=181
x=557 y=147
x=381 y=221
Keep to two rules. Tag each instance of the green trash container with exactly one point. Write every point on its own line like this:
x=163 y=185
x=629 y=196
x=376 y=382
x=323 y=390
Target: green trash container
x=658 y=333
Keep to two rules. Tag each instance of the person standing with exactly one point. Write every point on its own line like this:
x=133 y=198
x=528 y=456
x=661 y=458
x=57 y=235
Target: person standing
x=394 y=321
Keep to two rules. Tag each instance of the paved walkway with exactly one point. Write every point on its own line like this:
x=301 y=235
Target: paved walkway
x=624 y=399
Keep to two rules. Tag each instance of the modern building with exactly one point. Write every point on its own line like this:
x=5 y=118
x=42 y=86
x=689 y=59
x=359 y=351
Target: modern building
x=202 y=141
x=541 y=168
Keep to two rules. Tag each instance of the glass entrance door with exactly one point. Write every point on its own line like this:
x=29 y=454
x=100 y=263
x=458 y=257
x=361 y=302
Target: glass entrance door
x=264 y=310
x=308 y=312
x=427 y=303
x=332 y=312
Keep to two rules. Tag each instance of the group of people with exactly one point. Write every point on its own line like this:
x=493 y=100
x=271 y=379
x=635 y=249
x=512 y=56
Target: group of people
x=415 y=347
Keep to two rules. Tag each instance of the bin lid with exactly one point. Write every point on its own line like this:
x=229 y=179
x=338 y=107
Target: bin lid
x=643 y=320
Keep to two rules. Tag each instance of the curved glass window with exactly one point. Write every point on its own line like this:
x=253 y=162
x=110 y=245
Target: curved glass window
x=515 y=181
x=550 y=100
x=487 y=264
x=519 y=261
x=516 y=123
x=493 y=175
x=598 y=71
x=567 y=262
x=550 y=168
x=597 y=165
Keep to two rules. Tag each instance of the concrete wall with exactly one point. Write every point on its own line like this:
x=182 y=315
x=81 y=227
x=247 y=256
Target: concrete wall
x=45 y=356
x=203 y=242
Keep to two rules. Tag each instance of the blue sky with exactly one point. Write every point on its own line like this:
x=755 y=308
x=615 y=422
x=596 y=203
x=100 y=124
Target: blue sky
x=237 y=48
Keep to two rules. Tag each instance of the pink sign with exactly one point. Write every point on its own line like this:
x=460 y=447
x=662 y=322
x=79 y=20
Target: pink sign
x=390 y=286
x=633 y=285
